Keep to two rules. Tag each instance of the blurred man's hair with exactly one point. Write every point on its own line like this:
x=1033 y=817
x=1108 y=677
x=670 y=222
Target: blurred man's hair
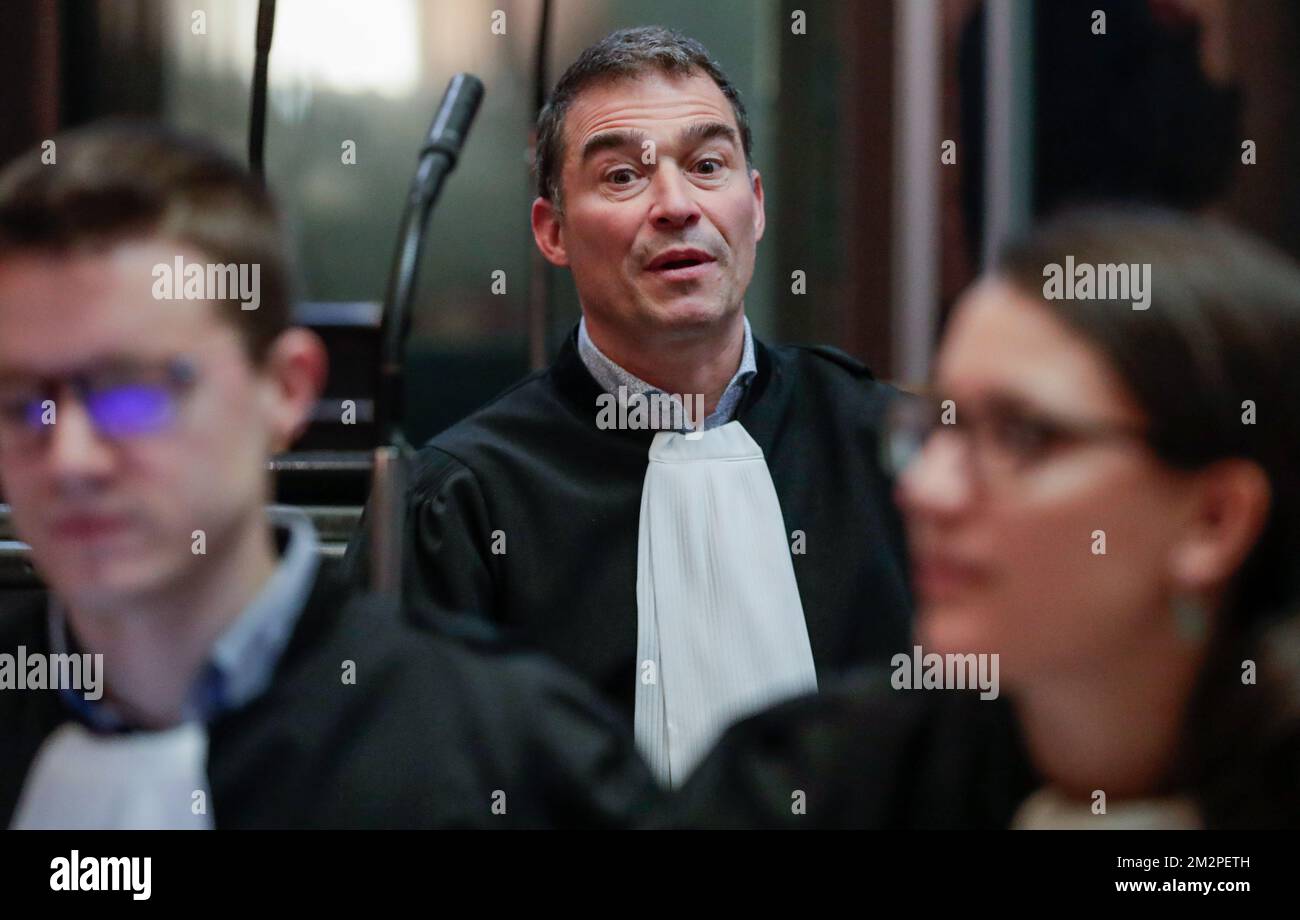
x=123 y=182
x=623 y=55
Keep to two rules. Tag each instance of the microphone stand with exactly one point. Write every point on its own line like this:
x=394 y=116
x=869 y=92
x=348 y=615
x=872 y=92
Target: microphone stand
x=257 y=105
x=437 y=158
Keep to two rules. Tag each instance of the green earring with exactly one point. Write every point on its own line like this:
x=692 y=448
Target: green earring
x=1190 y=616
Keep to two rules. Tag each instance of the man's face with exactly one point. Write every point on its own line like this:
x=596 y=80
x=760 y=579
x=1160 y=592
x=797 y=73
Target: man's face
x=110 y=518
x=661 y=214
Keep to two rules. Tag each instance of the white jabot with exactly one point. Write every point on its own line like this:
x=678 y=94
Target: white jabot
x=138 y=781
x=720 y=626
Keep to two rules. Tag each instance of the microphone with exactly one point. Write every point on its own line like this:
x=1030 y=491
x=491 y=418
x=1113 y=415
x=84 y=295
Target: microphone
x=456 y=113
x=437 y=158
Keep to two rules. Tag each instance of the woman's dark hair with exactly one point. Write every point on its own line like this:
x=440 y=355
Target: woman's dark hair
x=1213 y=361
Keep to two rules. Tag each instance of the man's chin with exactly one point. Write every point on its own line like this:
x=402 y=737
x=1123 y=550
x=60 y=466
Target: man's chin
x=92 y=583
x=689 y=314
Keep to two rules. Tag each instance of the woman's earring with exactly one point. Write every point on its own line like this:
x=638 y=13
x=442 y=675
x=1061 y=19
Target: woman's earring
x=1190 y=616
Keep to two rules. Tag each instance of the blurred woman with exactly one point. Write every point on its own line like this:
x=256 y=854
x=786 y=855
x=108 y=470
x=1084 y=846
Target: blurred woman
x=1102 y=504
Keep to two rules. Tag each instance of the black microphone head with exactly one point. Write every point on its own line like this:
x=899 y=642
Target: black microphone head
x=455 y=115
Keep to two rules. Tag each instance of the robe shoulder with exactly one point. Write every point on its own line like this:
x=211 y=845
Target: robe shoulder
x=833 y=355
x=531 y=409
x=519 y=431
x=474 y=485
x=828 y=379
x=378 y=724
x=863 y=755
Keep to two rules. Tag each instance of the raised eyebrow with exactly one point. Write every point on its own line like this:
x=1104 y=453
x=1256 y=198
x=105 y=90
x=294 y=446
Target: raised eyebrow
x=611 y=140
x=704 y=131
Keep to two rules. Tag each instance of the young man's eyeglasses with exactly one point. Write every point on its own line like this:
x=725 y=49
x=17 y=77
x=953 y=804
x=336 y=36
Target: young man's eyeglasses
x=1001 y=437
x=122 y=402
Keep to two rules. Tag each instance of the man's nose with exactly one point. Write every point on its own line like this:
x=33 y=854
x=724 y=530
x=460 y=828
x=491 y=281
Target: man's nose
x=75 y=450
x=938 y=482
x=674 y=202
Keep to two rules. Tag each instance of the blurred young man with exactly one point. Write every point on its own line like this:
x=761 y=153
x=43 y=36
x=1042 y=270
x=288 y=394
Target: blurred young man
x=692 y=519
x=194 y=665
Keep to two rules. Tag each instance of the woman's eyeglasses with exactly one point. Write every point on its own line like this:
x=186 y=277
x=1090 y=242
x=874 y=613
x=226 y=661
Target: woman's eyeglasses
x=1001 y=437
x=122 y=402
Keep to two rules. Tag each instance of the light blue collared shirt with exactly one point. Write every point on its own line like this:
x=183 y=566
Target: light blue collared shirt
x=610 y=376
x=244 y=657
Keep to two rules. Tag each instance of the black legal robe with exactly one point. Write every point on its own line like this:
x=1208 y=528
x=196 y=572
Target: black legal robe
x=862 y=755
x=428 y=737
x=528 y=513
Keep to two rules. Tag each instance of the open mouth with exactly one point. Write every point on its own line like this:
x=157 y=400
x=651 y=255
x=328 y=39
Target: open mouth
x=681 y=264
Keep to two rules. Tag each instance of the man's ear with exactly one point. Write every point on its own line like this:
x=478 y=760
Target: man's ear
x=548 y=232
x=1230 y=505
x=294 y=369
x=760 y=216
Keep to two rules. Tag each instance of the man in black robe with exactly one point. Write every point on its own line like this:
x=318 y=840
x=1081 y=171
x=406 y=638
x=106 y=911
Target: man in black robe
x=693 y=571
x=195 y=665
